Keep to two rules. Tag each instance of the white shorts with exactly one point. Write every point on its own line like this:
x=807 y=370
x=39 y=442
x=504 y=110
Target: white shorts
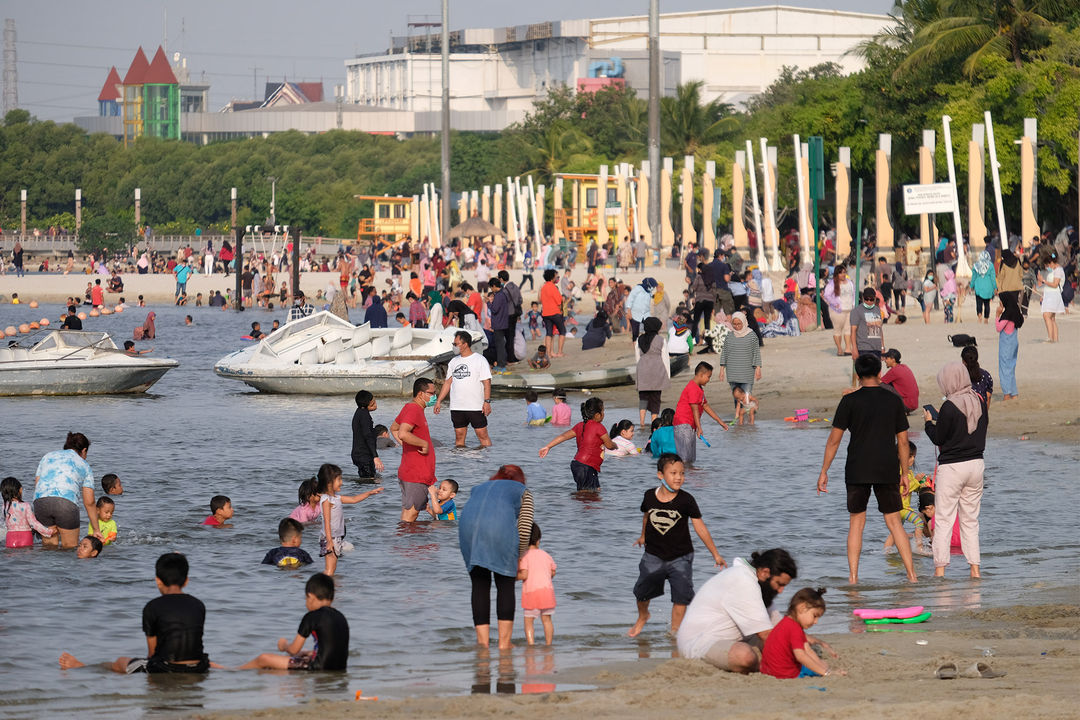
x=535 y=613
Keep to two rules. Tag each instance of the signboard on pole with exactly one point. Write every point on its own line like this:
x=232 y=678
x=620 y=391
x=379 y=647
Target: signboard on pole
x=816 y=165
x=927 y=199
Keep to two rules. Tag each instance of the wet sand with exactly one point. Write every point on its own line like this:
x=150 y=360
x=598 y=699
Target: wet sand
x=890 y=675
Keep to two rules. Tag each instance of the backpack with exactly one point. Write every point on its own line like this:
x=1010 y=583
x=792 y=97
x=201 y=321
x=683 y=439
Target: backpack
x=962 y=340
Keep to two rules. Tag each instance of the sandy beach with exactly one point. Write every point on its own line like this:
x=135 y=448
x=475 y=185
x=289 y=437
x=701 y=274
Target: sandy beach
x=801 y=372
x=890 y=675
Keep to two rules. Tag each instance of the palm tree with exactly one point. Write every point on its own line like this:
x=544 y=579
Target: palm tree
x=978 y=29
x=557 y=147
x=686 y=124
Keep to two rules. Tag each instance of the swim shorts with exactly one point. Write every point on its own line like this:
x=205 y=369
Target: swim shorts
x=887 y=494
x=324 y=547
x=653 y=571
x=57 y=511
x=465 y=418
x=414 y=496
x=156 y=666
x=302 y=661
x=536 y=612
x=586 y=476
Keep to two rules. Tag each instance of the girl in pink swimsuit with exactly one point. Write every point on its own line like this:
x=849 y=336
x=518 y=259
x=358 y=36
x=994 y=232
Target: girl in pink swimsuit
x=19 y=516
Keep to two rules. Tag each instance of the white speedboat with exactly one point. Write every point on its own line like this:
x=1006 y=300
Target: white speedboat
x=325 y=355
x=75 y=362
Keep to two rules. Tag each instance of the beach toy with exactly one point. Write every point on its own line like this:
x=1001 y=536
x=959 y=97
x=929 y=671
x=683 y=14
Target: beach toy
x=872 y=614
x=94 y=313
x=43 y=322
x=802 y=415
x=10 y=331
x=707 y=444
x=921 y=618
x=33 y=303
x=24 y=328
x=360 y=696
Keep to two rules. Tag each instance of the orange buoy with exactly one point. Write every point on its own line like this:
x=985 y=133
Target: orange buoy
x=34 y=326
x=10 y=331
x=119 y=308
x=81 y=316
x=24 y=328
x=94 y=313
x=106 y=311
x=33 y=303
x=44 y=322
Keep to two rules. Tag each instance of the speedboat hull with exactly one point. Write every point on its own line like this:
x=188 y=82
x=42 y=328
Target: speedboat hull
x=80 y=379
x=329 y=380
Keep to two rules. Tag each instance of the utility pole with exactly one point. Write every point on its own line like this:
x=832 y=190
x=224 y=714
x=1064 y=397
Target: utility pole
x=273 y=199
x=654 y=125
x=444 y=207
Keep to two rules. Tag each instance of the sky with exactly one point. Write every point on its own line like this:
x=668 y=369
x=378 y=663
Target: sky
x=65 y=47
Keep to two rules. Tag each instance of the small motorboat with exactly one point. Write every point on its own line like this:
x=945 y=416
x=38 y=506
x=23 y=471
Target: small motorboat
x=322 y=354
x=76 y=362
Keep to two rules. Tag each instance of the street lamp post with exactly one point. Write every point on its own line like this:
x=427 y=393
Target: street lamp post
x=273 y=199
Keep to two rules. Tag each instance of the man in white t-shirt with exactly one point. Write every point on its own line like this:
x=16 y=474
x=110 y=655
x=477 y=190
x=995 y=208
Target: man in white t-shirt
x=728 y=620
x=468 y=383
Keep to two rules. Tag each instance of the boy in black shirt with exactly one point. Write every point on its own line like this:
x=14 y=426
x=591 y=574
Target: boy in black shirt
x=289 y=554
x=669 y=550
x=173 y=624
x=365 y=455
x=326 y=624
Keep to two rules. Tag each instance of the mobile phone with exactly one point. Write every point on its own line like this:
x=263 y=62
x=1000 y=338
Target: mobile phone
x=933 y=413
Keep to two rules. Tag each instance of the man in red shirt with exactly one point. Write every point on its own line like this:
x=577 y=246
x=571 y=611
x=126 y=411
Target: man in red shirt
x=97 y=294
x=417 y=470
x=692 y=404
x=551 y=301
x=900 y=378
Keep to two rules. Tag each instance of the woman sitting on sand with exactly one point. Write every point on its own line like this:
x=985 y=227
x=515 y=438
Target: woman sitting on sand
x=596 y=332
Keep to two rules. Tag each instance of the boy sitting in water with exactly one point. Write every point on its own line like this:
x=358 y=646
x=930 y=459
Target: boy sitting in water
x=907 y=515
x=441 y=501
x=221 y=510
x=173 y=624
x=106 y=525
x=88 y=547
x=540 y=360
x=290 y=554
x=326 y=623
x=110 y=483
x=535 y=414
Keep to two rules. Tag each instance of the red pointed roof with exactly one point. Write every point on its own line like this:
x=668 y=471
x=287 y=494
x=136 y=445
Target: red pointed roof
x=138 y=69
x=109 y=91
x=160 y=72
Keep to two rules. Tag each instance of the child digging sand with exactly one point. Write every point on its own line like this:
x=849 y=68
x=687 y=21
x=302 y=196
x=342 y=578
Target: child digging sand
x=173 y=624
x=669 y=551
x=787 y=652
x=535 y=570
x=323 y=622
x=592 y=438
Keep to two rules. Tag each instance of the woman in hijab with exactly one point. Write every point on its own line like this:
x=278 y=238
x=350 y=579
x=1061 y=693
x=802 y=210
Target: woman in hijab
x=1009 y=321
x=984 y=284
x=653 y=368
x=740 y=358
x=493 y=533
x=661 y=307
x=376 y=313
x=596 y=332
x=960 y=434
x=146 y=331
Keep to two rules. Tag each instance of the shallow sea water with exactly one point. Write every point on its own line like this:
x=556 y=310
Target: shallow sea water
x=404 y=589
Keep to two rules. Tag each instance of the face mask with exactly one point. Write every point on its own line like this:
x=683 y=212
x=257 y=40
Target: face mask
x=431 y=401
x=666 y=486
x=457 y=350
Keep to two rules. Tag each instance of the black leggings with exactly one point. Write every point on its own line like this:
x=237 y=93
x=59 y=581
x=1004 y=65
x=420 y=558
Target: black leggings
x=899 y=298
x=702 y=309
x=982 y=306
x=481 y=596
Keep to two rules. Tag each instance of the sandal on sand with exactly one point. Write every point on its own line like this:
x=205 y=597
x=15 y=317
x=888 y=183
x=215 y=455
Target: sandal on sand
x=946 y=672
x=981 y=670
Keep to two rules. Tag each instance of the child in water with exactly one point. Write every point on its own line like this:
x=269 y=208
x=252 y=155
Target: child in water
x=111 y=484
x=662 y=439
x=914 y=484
x=332 y=535
x=560 y=412
x=535 y=414
x=787 y=652
x=310 y=507
x=622 y=434
x=745 y=405
x=19 y=516
x=221 y=511
x=592 y=438
x=289 y=554
x=88 y=547
x=106 y=524
x=535 y=569
x=441 y=504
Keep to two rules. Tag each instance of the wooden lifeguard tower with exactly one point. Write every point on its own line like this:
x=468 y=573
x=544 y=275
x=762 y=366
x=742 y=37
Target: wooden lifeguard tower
x=391 y=222
x=592 y=215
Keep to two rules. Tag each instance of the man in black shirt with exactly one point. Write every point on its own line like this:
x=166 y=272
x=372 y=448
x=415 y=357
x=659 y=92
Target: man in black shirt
x=326 y=624
x=718 y=275
x=877 y=451
x=173 y=624
x=72 y=321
